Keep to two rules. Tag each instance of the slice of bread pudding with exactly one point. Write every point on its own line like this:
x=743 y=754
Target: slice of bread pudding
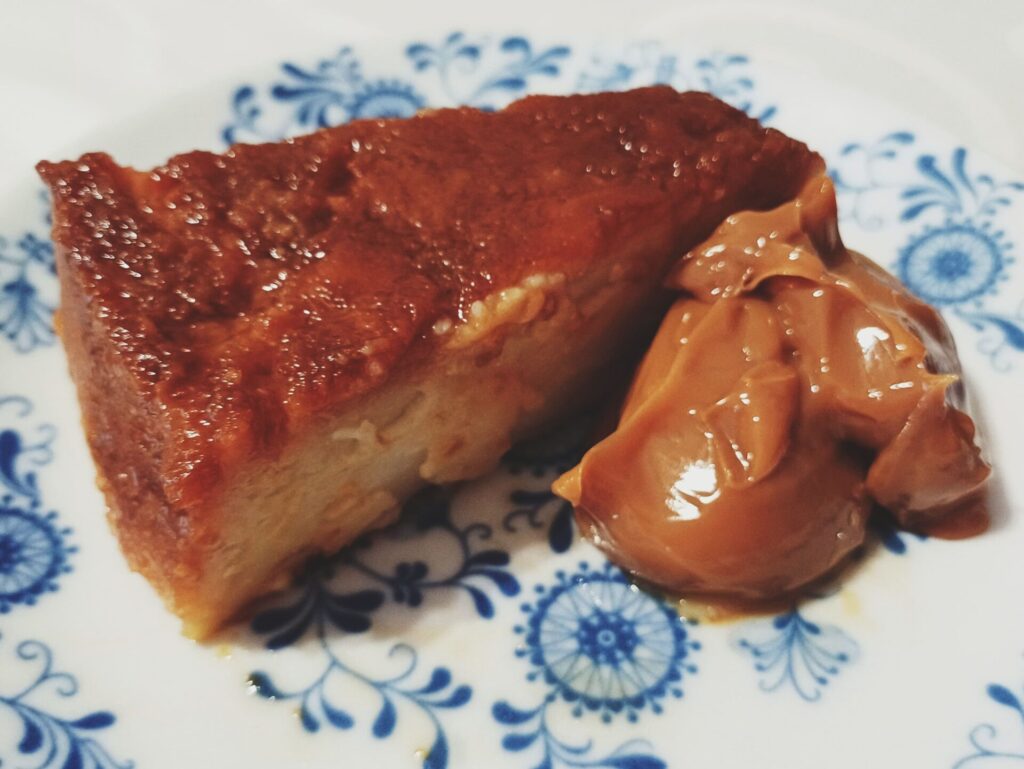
x=274 y=346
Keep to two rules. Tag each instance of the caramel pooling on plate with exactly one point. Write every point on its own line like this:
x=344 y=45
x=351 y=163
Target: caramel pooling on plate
x=793 y=387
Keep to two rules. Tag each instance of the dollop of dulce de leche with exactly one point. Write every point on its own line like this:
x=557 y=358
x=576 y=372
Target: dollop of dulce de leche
x=793 y=389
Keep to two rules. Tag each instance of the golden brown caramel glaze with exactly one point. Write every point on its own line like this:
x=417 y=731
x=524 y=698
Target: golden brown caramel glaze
x=793 y=387
x=216 y=307
x=251 y=288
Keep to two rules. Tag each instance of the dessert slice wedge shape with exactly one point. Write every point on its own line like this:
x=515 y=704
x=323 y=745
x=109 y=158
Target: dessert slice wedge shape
x=274 y=346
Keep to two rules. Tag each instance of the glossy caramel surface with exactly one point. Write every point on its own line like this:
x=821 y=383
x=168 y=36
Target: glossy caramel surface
x=791 y=389
x=244 y=293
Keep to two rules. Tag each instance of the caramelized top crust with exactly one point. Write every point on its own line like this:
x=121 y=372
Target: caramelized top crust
x=247 y=291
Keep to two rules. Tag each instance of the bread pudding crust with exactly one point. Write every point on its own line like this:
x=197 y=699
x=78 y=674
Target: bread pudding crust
x=221 y=309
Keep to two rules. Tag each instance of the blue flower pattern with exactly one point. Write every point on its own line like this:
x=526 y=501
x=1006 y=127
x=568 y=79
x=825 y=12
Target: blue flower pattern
x=955 y=256
x=538 y=508
x=27 y=278
x=49 y=740
x=726 y=75
x=316 y=707
x=409 y=580
x=320 y=608
x=334 y=90
x=34 y=555
x=331 y=92
x=471 y=75
x=544 y=459
x=600 y=644
x=34 y=549
x=990 y=746
x=790 y=651
x=861 y=171
x=891 y=538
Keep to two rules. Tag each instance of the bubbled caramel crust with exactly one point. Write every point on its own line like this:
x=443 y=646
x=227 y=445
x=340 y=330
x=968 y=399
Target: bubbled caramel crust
x=244 y=293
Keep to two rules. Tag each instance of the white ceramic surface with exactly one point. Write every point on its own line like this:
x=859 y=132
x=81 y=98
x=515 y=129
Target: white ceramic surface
x=915 y=662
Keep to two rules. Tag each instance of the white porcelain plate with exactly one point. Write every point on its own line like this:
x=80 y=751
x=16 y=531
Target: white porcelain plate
x=482 y=632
